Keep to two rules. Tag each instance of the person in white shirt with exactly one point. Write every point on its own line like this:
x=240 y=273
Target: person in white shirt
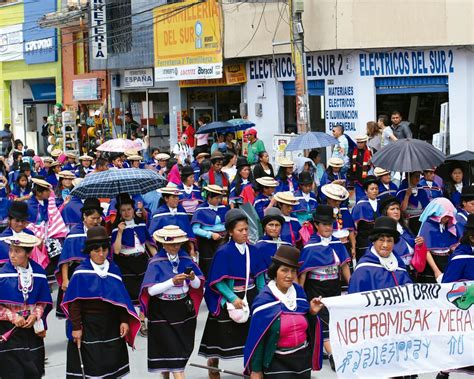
x=182 y=151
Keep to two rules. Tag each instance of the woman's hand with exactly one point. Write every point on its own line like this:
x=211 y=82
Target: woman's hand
x=41 y=334
x=121 y=227
x=65 y=284
x=19 y=322
x=419 y=241
x=30 y=321
x=124 y=328
x=353 y=252
x=238 y=303
x=256 y=375
x=179 y=279
x=216 y=236
x=192 y=276
x=77 y=336
x=67 y=199
x=315 y=305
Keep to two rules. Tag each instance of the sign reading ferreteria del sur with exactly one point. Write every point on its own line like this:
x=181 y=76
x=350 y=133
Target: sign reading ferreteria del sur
x=188 y=41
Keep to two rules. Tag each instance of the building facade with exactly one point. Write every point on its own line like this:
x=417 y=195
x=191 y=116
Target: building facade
x=30 y=69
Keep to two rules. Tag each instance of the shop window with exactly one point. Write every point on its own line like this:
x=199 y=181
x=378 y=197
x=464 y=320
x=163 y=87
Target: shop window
x=223 y=101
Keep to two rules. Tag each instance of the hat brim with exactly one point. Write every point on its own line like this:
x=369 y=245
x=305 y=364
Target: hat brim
x=378 y=231
x=267 y=219
x=332 y=196
x=18 y=216
x=286 y=262
x=98 y=209
x=287 y=202
x=467 y=197
x=323 y=219
x=174 y=240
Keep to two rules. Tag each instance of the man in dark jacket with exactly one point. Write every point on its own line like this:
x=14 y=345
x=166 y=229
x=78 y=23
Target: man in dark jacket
x=401 y=129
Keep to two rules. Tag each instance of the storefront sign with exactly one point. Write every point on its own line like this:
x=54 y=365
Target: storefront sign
x=233 y=74
x=85 y=89
x=138 y=78
x=404 y=330
x=341 y=105
x=404 y=63
x=98 y=32
x=40 y=45
x=188 y=44
x=11 y=43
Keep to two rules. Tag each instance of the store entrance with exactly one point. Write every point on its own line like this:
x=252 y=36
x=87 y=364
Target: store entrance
x=214 y=104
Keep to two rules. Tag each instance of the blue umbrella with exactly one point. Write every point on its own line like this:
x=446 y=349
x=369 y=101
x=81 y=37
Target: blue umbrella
x=223 y=127
x=110 y=183
x=311 y=140
x=241 y=123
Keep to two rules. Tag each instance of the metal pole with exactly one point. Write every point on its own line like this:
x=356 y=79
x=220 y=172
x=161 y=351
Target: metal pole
x=297 y=55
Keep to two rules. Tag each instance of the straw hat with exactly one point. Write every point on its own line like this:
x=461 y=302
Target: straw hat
x=71 y=155
x=170 y=234
x=85 y=157
x=202 y=155
x=214 y=188
x=48 y=160
x=56 y=153
x=128 y=153
x=285 y=162
x=41 y=183
x=77 y=181
x=267 y=181
x=335 y=191
x=23 y=239
x=135 y=158
x=286 y=198
x=170 y=189
x=335 y=162
x=55 y=163
x=67 y=175
x=362 y=138
x=379 y=171
x=163 y=157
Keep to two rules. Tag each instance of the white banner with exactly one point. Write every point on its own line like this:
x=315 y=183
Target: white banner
x=98 y=30
x=411 y=329
x=192 y=71
x=11 y=43
x=141 y=78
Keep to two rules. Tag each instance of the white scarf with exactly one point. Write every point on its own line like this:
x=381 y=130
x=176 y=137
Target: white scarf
x=458 y=187
x=173 y=211
x=288 y=299
x=214 y=207
x=373 y=204
x=390 y=263
x=306 y=196
x=187 y=189
x=325 y=241
x=242 y=247
x=25 y=277
x=102 y=269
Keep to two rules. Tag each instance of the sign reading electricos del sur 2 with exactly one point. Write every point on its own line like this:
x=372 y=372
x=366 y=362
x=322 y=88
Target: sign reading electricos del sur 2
x=188 y=41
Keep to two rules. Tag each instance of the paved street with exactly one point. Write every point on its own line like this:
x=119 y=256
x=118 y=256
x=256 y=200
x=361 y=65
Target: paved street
x=56 y=353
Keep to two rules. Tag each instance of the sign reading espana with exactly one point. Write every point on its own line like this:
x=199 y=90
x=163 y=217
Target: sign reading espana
x=188 y=42
x=405 y=330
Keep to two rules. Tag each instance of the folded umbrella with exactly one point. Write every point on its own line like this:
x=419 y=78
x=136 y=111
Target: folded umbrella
x=110 y=183
x=120 y=145
x=408 y=155
x=311 y=140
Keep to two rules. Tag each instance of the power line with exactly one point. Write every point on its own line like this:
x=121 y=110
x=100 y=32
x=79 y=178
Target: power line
x=255 y=31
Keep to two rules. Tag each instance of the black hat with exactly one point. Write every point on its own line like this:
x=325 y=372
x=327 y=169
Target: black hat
x=324 y=213
x=467 y=193
x=384 y=225
x=187 y=171
x=272 y=214
x=18 y=210
x=234 y=215
x=371 y=179
x=95 y=235
x=288 y=256
x=92 y=203
x=123 y=198
x=470 y=222
x=305 y=178
x=242 y=162
x=387 y=200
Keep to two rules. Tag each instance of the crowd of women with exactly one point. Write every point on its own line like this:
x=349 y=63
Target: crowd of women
x=143 y=263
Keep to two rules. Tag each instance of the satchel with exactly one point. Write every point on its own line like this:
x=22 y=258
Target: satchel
x=241 y=316
x=419 y=258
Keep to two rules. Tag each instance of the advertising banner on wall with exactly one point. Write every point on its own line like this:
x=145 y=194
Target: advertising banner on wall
x=40 y=44
x=11 y=43
x=404 y=330
x=188 y=41
x=234 y=74
x=141 y=78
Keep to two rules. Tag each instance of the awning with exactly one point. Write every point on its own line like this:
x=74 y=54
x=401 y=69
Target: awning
x=411 y=84
x=43 y=91
x=315 y=88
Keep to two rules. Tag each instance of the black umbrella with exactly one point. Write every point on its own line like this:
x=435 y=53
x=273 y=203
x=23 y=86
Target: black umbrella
x=465 y=156
x=408 y=155
x=464 y=160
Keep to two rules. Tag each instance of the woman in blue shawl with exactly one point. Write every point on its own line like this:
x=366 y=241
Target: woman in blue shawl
x=283 y=342
x=170 y=298
x=230 y=290
x=243 y=178
x=25 y=302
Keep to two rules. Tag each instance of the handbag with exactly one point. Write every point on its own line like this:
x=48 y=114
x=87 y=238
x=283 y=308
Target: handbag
x=241 y=316
x=419 y=258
